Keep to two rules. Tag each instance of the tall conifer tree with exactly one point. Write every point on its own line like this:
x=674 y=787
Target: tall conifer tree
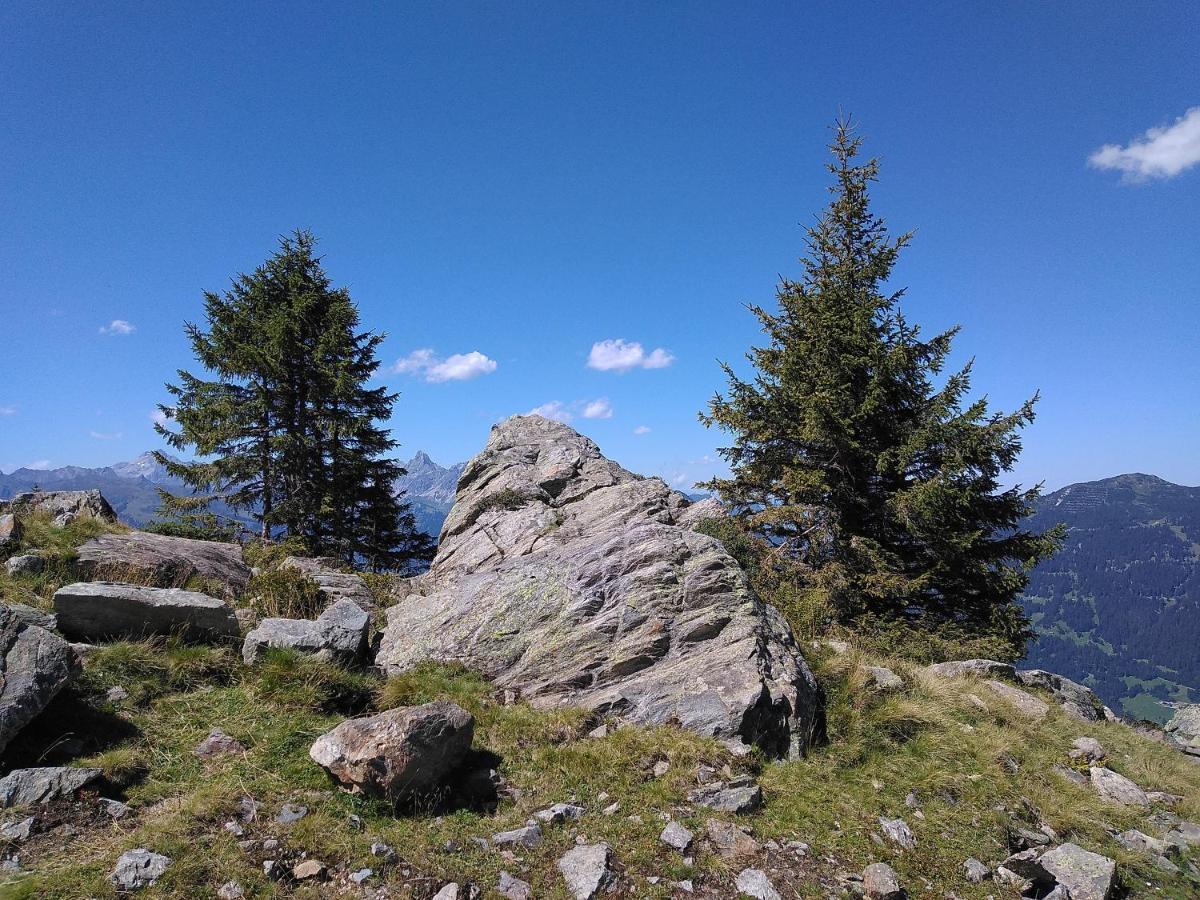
x=288 y=427
x=853 y=456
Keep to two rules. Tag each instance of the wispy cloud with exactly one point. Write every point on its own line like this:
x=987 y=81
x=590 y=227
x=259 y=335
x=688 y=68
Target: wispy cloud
x=105 y=435
x=555 y=410
x=456 y=367
x=1162 y=152
x=642 y=429
x=158 y=417
x=619 y=355
x=118 y=326
x=38 y=464
x=8 y=410
x=598 y=409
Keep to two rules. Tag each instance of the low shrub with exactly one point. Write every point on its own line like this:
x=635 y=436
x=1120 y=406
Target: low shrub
x=285 y=593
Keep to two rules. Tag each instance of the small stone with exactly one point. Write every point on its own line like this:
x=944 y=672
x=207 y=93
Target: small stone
x=362 y=875
x=137 y=869
x=585 y=869
x=116 y=694
x=218 y=743
x=19 y=830
x=732 y=841
x=612 y=809
x=685 y=886
x=270 y=844
x=741 y=795
x=114 y=808
x=559 y=813
x=448 y=892
x=1087 y=749
x=514 y=888
x=235 y=829
x=881 y=883
x=248 y=808
x=883 y=680
x=676 y=837
x=600 y=731
x=897 y=831
x=754 y=883
x=246 y=845
x=661 y=768
x=911 y=800
x=385 y=851
x=975 y=871
x=529 y=836
x=230 y=890
x=291 y=812
x=308 y=870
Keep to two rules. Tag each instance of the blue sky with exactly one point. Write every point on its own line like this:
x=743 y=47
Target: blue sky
x=524 y=181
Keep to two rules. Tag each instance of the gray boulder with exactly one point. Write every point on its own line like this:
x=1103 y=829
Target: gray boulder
x=883 y=679
x=25 y=564
x=514 y=888
x=402 y=754
x=565 y=577
x=102 y=610
x=1085 y=875
x=975 y=871
x=1116 y=788
x=63 y=507
x=22 y=787
x=36 y=665
x=585 y=870
x=1024 y=702
x=1075 y=699
x=979 y=668
x=898 y=832
x=338 y=634
x=164 y=561
x=333 y=584
x=1184 y=729
x=137 y=869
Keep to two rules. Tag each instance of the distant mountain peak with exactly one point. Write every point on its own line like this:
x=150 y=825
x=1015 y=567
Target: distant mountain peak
x=145 y=466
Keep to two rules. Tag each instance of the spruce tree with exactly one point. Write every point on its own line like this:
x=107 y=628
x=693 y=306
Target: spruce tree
x=288 y=428
x=855 y=458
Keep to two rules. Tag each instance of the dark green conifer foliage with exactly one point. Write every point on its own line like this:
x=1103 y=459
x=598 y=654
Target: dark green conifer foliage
x=288 y=428
x=856 y=459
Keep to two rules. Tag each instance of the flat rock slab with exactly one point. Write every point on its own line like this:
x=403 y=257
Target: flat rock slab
x=338 y=634
x=36 y=665
x=165 y=561
x=1116 y=788
x=101 y=610
x=402 y=754
x=575 y=582
x=22 y=787
x=585 y=870
x=979 y=668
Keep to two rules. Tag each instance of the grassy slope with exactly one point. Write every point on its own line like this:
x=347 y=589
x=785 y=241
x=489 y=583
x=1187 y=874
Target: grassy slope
x=930 y=738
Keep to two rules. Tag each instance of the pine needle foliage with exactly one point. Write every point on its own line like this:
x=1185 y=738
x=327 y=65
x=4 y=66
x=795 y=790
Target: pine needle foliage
x=855 y=455
x=285 y=426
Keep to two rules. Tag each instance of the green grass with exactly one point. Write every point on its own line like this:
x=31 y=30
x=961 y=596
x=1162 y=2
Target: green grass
x=929 y=738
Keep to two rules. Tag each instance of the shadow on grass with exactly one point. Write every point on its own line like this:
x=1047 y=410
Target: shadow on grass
x=66 y=730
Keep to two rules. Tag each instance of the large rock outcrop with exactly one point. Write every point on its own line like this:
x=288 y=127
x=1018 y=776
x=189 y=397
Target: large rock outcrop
x=101 y=610
x=339 y=634
x=35 y=664
x=63 y=507
x=165 y=561
x=1184 y=729
x=565 y=577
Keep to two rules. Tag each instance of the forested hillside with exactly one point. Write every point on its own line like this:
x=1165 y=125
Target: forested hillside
x=1119 y=606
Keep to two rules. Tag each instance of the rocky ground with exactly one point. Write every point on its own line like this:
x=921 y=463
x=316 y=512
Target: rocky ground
x=582 y=698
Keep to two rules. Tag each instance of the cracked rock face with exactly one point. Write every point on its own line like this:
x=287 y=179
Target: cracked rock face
x=575 y=582
x=167 y=561
x=35 y=664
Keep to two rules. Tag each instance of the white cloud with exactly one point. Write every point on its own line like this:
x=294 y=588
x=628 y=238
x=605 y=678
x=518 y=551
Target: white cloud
x=457 y=367
x=8 y=410
x=620 y=356
x=555 y=410
x=642 y=429
x=118 y=326
x=105 y=435
x=38 y=464
x=1162 y=152
x=158 y=417
x=598 y=409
